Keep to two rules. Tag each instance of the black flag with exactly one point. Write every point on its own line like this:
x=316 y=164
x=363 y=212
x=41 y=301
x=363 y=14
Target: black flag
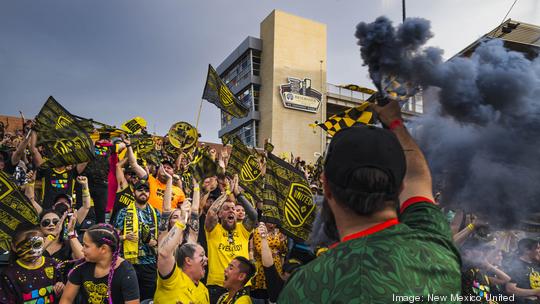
x=288 y=200
x=66 y=142
x=15 y=208
x=202 y=165
x=247 y=166
x=217 y=92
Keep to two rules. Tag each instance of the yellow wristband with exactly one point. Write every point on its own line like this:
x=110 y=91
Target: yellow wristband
x=51 y=237
x=197 y=189
x=228 y=192
x=470 y=227
x=180 y=225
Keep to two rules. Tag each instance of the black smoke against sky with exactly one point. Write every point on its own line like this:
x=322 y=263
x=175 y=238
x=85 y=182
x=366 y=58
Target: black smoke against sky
x=481 y=134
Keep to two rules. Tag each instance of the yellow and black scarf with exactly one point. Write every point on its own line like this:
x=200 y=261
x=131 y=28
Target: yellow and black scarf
x=131 y=224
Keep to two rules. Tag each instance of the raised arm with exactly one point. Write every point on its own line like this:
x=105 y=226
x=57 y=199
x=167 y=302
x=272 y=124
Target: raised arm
x=141 y=173
x=19 y=153
x=74 y=242
x=119 y=173
x=178 y=161
x=29 y=191
x=250 y=221
x=500 y=278
x=167 y=196
x=194 y=218
x=266 y=252
x=212 y=214
x=86 y=199
x=273 y=277
x=36 y=155
x=417 y=181
x=168 y=245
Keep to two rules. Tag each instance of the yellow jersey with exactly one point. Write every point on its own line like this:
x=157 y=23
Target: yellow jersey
x=157 y=191
x=223 y=247
x=179 y=288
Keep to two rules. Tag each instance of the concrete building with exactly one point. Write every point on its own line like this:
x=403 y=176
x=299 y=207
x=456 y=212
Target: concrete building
x=281 y=77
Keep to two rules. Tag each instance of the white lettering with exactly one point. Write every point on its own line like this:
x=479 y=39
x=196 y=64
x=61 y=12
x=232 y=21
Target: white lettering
x=409 y=299
x=436 y=298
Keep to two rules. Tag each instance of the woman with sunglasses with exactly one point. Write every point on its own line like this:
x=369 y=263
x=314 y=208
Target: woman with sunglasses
x=102 y=276
x=61 y=242
x=30 y=277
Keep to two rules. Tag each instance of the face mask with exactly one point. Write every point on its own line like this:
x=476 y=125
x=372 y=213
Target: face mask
x=30 y=248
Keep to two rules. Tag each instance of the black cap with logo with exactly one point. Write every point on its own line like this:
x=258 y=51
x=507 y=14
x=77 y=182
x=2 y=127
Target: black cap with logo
x=142 y=183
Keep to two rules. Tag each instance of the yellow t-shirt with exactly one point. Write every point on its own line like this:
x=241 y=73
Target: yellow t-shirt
x=157 y=191
x=221 y=252
x=179 y=288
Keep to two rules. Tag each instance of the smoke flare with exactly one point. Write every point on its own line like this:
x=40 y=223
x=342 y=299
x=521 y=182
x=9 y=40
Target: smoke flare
x=480 y=132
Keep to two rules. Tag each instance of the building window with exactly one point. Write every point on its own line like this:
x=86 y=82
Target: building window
x=256 y=133
x=245 y=96
x=238 y=72
x=246 y=133
x=256 y=58
x=256 y=90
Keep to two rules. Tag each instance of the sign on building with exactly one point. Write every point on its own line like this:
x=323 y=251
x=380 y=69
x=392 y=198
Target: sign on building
x=299 y=95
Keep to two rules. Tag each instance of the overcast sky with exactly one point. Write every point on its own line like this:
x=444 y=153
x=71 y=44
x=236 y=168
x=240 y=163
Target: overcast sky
x=115 y=59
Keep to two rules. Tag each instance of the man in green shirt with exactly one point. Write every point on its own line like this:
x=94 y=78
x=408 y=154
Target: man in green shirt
x=395 y=244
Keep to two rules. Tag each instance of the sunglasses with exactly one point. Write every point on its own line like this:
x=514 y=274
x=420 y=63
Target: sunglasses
x=47 y=222
x=143 y=189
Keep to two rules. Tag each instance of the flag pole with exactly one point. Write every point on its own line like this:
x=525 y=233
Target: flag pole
x=198 y=115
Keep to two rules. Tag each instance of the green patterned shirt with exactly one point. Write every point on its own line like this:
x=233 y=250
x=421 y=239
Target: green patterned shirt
x=407 y=262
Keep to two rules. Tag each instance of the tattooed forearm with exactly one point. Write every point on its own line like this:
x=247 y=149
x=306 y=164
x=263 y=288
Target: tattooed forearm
x=171 y=240
x=194 y=222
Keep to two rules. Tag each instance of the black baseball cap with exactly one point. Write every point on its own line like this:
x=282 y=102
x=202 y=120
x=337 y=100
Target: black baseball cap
x=364 y=146
x=142 y=183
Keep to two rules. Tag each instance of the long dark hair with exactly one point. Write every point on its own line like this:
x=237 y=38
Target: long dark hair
x=104 y=234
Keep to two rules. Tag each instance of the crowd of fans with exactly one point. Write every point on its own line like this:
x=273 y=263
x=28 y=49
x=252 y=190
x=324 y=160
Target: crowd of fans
x=118 y=230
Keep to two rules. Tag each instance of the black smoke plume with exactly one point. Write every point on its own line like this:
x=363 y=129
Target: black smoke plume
x=481 y=127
